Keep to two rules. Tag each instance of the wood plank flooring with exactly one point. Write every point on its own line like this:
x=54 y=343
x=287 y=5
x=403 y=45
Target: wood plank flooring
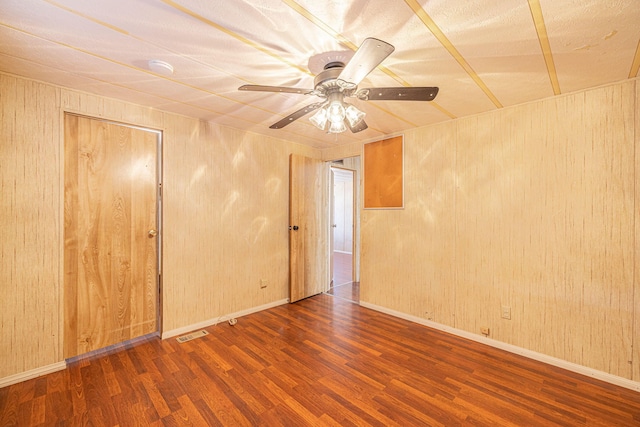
x=342 y=285
x=342 y=268
x=320 y=362
x=349 y=291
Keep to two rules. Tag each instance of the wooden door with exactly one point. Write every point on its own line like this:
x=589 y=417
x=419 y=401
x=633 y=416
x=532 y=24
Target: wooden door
x=110 y=212
x=308 y=222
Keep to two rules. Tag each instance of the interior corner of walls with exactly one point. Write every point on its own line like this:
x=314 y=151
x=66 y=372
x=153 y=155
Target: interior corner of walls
x=220 y=319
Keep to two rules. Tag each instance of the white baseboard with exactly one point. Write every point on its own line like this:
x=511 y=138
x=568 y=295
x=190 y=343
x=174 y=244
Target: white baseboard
x=223 y=318
x=34 y=373
x=554 y=361
x=44 y=370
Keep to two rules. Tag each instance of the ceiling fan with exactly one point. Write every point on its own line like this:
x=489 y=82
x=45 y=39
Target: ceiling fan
x=339 y=80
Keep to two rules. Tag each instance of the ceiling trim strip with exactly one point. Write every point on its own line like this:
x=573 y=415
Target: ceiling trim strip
x=446 y=43
x=349 y=44
x=443 y=110
x=110 y=83
x=339 y=37
x=545 y=46
x=233 y=34
x=97 y=21
x=635 y=66
x=133 y=36
x=122 y=64
x=318 y=23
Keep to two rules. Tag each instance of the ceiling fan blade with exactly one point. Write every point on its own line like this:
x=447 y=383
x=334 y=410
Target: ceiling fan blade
x=397 y=94
x=360 y=126
x=260 y=88
x=368 y=56
x=296 y=115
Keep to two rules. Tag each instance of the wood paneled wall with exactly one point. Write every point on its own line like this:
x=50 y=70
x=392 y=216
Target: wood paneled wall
x=226 y=200
x=30 y=226
x=636 y=272
x=353 y=149
x=532 y=207
x=225 y=219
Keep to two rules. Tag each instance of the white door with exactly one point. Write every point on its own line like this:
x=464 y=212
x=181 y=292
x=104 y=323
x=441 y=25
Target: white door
x=343 y=210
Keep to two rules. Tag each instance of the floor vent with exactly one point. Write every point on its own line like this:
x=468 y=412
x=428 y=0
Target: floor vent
x=192 y=336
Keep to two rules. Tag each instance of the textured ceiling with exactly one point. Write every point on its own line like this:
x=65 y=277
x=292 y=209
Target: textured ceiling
x=483 y=55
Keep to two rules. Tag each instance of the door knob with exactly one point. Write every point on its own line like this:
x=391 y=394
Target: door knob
x=152 y=233
x=294 y=228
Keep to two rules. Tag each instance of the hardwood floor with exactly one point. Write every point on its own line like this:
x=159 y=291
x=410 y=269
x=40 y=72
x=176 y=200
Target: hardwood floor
x=347 y=291
x=342 y=285
x=321 y=361
x=342 y=268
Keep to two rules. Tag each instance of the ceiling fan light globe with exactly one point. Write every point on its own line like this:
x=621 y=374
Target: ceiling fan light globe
x=319 y=119
x=354 y=115
x=336 y=112
x=337 y=127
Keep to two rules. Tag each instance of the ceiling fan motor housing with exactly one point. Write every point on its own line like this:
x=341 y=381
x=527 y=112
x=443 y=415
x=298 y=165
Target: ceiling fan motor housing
x=327 y=79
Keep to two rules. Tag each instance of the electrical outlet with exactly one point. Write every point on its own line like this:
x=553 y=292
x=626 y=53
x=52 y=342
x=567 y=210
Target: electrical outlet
x=263 y=283
x=484 y=330
x=506 y=312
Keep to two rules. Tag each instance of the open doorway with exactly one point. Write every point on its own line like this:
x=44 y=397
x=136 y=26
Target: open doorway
x=344 y=248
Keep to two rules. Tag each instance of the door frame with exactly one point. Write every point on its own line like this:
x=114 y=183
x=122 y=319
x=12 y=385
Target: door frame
x=159 y=200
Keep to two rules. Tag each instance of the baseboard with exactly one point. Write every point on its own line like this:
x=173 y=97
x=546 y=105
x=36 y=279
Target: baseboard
x=573 y=367
x=223 y=318
x=34 y=373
